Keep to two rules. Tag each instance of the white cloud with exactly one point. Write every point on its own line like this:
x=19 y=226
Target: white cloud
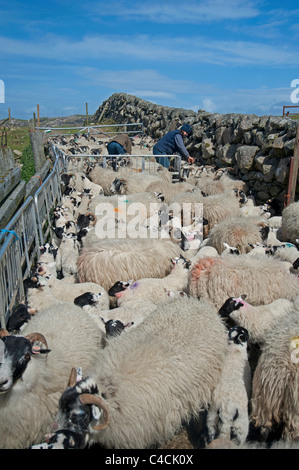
x=192 y=12
x=194 y=50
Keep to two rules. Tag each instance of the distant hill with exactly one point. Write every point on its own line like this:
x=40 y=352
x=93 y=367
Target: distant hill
x=65 y=121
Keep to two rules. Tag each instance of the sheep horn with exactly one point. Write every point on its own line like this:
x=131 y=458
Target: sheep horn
x=89 y=399
x=37 y=337
x=73 y=378
x=3 y=332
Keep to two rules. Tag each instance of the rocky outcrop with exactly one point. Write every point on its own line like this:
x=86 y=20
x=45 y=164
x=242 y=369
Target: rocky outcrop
x=259 y=148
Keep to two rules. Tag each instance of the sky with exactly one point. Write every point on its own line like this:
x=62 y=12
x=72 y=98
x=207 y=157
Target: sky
x=222 y=56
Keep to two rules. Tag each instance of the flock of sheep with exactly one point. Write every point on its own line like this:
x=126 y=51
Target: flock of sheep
x=184 y=337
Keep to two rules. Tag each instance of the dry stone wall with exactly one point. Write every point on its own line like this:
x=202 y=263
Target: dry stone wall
x=259 y=148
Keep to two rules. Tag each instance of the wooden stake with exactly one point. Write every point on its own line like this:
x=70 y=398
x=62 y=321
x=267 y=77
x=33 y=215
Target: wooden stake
x=86 y=104
x=293 y=172
x=37 y=115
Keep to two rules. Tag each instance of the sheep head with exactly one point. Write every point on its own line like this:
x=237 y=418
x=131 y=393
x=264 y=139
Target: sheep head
x=18 y=351
x=75 y=413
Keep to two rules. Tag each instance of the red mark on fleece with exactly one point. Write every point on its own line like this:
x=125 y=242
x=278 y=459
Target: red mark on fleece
x=204 y=266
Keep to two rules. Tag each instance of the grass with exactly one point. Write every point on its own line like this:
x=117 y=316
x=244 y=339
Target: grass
x=18 y=139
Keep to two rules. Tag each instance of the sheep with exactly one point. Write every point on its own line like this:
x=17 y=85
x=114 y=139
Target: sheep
x=253 y=211
x=133 y=311
x=285 y=252
x=170 y=373
x=238 y=232
x=93 y=189
x=169 y=190
x=227 y=416
x=47 y=260
x=19 y=316
x=290 y=223
x=215 y=208
x=108 y=260
x=275 y=393
x=67 y=256
x=262 y=279
x=216 y=184
x=138 y=206
x=156 y=289
x=105 y=177
x=49 y=290
x=259 y=319
x=31 y=383
x=251 y=445
x=133 y=183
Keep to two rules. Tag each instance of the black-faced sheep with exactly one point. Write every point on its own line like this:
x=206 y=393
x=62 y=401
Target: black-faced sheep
x=168 y=376
x=228 y=412
x=32 y=383
x=259 y=319
x=44 y=291
x=156 y=289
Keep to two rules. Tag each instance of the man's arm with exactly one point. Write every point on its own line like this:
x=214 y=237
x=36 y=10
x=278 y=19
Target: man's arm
x=182 y=149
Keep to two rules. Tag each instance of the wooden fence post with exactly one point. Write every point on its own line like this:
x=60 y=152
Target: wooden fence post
x=293 y=171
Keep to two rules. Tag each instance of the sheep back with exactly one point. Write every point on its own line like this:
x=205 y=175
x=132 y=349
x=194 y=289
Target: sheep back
x=111 y=260
x=262 y=279
x=275 y=392
x=28 y=414
x=237 y=232
x=290 y=223
x=161 y=373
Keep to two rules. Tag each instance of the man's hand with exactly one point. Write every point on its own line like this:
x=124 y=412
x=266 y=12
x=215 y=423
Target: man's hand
x=190 y=160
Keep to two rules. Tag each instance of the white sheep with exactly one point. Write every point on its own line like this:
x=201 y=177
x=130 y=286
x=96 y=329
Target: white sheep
x=105 y=177
x=157 y=290
x=67 y=256
x=169 y=190
x=170 y=373
x=50 y=290
x=93 y=189
x=290 y=222
x=275 y=392
x=29 y=398
x=258 y=319
x=109 y=260
x=133 y=183
x=227 y=416
x=238 y=232
x=261 y=278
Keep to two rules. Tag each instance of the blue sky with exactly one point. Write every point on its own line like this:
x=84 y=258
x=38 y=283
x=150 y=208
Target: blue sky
x=224 y=56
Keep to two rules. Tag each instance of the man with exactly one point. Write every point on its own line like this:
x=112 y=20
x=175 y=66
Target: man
x=171 y=143
x=119 y=145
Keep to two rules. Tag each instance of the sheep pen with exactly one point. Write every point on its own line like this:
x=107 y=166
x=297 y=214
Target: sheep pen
x=170 y=318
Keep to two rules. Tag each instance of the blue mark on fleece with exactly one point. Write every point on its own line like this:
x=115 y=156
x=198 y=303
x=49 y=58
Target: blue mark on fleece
x=133 y=286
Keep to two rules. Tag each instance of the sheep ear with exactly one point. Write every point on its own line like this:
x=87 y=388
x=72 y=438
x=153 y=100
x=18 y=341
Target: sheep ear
x=243 y=296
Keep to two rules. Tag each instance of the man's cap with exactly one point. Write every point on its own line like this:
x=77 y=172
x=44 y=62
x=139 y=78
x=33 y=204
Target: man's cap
x=187 y=128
